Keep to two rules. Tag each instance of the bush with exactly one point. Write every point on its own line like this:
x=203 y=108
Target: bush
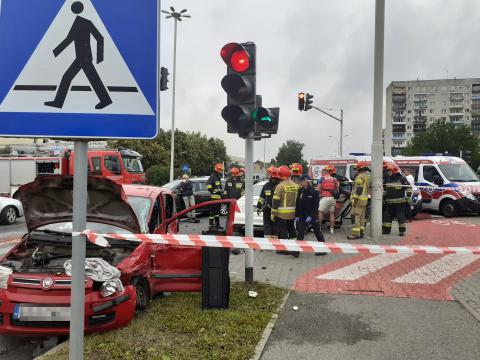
x=158 y=175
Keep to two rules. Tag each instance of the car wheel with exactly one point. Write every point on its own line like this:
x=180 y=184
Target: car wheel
x=448 y=208
x=9 y=215
x=224 y=209
x=141 y=289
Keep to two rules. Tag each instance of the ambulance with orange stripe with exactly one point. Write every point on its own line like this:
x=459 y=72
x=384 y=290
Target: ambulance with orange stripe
x=447 y=183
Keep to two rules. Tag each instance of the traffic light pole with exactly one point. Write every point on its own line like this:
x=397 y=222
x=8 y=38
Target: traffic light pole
x=341 y=125
x=249 y=206
x=377 y=146
x=172 y=144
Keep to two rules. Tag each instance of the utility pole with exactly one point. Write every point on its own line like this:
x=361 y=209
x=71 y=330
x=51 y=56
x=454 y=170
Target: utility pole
x=377 y=146
x=340 y=120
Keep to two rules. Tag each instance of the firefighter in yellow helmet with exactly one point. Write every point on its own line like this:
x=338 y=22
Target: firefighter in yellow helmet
x=283 y=206
x=359 y=199
x=214 y=186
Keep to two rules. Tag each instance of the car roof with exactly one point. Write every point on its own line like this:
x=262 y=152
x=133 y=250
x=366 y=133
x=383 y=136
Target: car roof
x=147 y=191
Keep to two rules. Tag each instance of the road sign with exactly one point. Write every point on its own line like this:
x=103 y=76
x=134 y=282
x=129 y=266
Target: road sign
x=186 y=168
x=80 y=69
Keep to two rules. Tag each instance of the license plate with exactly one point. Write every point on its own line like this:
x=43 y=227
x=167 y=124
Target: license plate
x=30 y=312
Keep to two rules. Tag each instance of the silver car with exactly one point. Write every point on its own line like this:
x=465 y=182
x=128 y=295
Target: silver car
x=10 y=210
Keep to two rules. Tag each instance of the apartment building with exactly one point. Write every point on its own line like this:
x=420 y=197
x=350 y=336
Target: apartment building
x=411 y=106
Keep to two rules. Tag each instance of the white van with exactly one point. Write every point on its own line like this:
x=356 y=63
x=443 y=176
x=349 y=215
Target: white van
x=447 y=183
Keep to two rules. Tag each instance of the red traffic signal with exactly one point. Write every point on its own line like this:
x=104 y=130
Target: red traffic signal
x=236 y=57
x=301 y=101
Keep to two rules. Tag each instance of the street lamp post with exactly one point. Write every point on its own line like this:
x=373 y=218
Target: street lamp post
x=338 y=142
x=177 y=16
x=340 y=120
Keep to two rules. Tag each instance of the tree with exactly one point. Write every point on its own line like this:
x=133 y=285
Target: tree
x=442 y=137
x=198 y=151
x=291 y=152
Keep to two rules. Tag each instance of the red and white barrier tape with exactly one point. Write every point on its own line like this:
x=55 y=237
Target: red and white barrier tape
x=277 y=244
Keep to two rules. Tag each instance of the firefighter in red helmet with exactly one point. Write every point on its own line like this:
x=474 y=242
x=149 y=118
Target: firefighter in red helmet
x=283 y=206
x=214 y=186
x=264 y=204
x=296 y=171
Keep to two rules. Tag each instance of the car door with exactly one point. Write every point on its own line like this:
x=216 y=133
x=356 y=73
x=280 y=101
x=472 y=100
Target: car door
x=179 y=268
x=432 y=178
x=200 y=192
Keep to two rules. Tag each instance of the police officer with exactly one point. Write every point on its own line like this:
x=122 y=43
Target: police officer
x=306 y=210
x=283 y=206
x=214 y=186
x=396 y=195
x=359 y=199
x=264 y=204
x=234 y=186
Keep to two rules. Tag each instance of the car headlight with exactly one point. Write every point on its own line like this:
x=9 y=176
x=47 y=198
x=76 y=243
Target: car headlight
x=467 y=194
x=4 y=274
x=110 y=287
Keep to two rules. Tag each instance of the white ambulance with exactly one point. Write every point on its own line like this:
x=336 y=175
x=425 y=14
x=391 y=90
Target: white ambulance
x=447 y=183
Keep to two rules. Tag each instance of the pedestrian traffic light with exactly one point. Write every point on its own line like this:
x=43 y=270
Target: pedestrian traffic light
x=301 y=101
x=163 y=78
x=266 y=120
x=240 y=86
x=308 y=101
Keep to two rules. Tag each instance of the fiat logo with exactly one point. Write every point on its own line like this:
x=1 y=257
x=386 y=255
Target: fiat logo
x=47 y=283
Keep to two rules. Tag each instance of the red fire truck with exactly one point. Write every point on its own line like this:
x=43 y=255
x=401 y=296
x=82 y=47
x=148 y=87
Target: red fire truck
x=124 y=166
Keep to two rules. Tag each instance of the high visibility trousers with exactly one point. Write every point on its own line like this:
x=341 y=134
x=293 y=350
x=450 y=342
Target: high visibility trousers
x=392 y=211
x=359 y=213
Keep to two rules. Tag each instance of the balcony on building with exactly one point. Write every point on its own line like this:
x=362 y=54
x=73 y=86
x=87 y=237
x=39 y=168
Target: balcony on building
x=420 y=97
x=397 y=151
x=398 y=136
x=419 y=123
x=456 y=96
x=398 y=120
x=456 y=111
x=476 y=89
x=456 y=120
x=399 y=106
x=399 y=128
x=420 y=104
x=399 y=98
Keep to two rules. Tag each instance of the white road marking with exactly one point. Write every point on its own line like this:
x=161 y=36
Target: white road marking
x=359 y=269
x=437 y=270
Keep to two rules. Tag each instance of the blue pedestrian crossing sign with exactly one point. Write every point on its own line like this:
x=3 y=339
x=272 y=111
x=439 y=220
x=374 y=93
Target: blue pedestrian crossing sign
x=79 y=68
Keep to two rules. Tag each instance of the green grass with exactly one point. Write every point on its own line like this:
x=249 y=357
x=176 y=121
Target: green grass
x=175 y=327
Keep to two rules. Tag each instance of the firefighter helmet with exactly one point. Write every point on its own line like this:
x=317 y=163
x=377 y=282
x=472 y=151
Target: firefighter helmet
x=241 y=170
x=219 y=167
x=283 y=172
x=297 y=169
x=361 y=166
x=331 y=169
x=393 y=168
x=234 y=171
x=271 y=170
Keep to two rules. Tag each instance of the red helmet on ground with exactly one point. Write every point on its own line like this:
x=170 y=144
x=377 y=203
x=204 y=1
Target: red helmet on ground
x=234 y=171
x=283 y=172
x=271 y=171
x=297 y=169
x=219 y=167
x=361 y=165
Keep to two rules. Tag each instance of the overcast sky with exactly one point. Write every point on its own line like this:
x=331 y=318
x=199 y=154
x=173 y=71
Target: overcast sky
x=323 y=47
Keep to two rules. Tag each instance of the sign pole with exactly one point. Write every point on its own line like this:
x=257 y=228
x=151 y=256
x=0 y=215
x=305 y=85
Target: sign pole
x=377 y=146
x=249 y=206
x=77 y=300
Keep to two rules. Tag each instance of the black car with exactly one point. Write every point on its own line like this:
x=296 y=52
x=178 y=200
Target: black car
x=200 y=193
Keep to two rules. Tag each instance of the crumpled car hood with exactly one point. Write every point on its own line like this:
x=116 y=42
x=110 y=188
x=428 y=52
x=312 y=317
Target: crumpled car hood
x=49 y=200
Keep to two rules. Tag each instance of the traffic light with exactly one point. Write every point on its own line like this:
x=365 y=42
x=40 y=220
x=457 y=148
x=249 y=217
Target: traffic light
x=308 y=101
x=240 y=86
x=301 y=101
x=163 y=78
x=266 y=119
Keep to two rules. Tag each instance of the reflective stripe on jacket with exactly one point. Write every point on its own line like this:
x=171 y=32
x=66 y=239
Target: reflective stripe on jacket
x=284 y=200
x=214 y=186
x=360 y=189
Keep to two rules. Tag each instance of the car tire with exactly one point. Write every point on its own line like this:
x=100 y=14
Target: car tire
x=224 y=209
x=448 y=208
x=8 y=215
x=141 y=290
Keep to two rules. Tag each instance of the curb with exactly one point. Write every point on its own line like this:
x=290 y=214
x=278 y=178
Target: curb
x=468 y=308
x=268 y=330
x=53 y=350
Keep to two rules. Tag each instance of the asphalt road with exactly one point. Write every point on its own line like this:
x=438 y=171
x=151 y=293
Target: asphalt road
x=375 y=328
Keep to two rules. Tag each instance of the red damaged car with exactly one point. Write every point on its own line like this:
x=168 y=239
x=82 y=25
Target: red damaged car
x=35 y=287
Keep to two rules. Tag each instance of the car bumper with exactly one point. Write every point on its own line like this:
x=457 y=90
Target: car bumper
x=101 y=314
x=468 y=206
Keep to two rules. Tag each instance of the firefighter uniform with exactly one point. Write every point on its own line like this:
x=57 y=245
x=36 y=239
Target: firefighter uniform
x=264 y=205
x=283 y=209
x=359 y=199
x=234 y=188
x=397 y=195
x=214 y=186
